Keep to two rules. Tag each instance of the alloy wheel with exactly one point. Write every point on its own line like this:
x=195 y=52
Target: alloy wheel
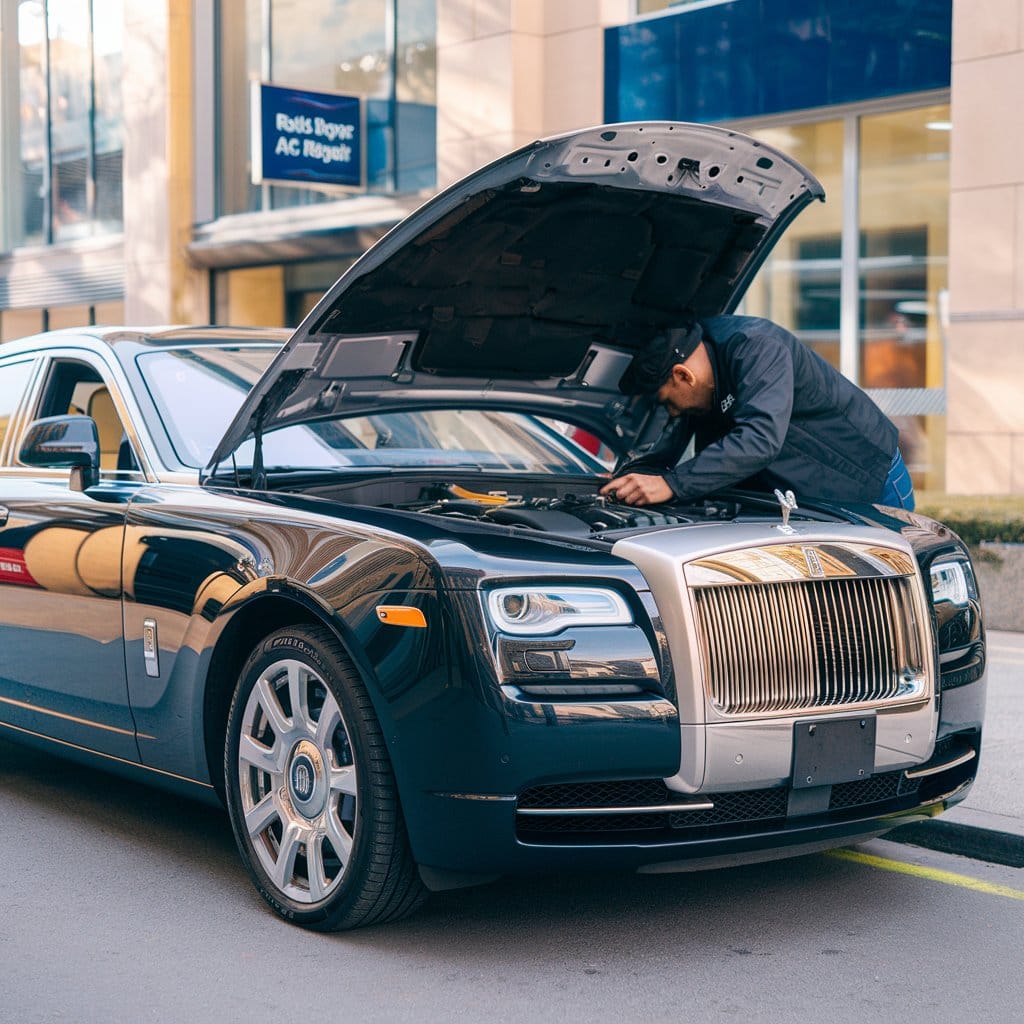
x=297 y=781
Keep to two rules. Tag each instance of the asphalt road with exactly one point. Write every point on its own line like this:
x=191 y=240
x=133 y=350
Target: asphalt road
x=121 y=904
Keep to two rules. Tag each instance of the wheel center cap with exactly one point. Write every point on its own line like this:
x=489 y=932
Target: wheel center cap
x=307 y=780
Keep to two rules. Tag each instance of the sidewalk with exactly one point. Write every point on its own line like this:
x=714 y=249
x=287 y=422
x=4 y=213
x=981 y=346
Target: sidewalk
x=989 y=824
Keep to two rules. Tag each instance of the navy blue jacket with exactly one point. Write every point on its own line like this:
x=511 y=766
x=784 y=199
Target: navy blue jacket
x=781 y=417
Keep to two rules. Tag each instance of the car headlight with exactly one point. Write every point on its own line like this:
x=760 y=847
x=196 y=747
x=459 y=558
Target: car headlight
x=952 y=582
x=537 y=610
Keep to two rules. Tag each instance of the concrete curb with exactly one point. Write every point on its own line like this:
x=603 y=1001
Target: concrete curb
x=994 y=838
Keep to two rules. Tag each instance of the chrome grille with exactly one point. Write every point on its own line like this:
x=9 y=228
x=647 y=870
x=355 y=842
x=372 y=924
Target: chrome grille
x=777 y=647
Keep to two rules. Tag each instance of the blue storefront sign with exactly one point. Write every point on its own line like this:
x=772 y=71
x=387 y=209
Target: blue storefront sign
x=755 y=58
x=301 y=137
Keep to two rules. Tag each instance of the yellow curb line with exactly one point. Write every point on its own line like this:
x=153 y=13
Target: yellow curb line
x=932 y=874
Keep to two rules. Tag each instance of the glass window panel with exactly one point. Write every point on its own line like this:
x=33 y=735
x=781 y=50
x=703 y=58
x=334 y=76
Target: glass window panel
x=70 y=119
x=417 y=51
x=350 y=52
x=70 y=113
x=342 y=46
x=239 y=43
x=904 y=245
x=798 y=286
x=305 y=284
x=416 y=93
x=33 y=115
x=904 y=212
x=108 y=50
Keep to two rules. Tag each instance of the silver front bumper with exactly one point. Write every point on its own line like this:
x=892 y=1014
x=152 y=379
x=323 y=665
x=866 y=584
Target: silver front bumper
x=738 y=724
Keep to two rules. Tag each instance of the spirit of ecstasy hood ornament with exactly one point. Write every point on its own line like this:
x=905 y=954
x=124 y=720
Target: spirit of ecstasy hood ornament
x=787 y=502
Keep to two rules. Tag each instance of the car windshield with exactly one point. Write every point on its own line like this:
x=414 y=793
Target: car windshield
x=198 y=391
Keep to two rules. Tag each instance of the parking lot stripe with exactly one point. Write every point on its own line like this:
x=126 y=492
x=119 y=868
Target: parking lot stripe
x=932 y=874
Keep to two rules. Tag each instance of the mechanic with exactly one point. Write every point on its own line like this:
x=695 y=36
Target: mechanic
x=764 y=411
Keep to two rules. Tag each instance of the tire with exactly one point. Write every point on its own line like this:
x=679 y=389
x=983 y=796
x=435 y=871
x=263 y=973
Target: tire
x=310 y=789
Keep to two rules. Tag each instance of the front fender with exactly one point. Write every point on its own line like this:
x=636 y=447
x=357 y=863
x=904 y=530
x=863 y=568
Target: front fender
x=212 y=581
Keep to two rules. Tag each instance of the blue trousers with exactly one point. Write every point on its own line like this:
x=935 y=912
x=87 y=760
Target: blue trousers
x=898 y=491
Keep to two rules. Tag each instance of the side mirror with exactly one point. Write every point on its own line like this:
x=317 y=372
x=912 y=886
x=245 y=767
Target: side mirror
x=64 y=441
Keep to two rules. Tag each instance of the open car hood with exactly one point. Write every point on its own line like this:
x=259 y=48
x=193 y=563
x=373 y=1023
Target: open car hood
x=529 y=284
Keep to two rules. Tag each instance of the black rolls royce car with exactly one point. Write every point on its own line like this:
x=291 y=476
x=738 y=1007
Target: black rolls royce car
x=358 y=583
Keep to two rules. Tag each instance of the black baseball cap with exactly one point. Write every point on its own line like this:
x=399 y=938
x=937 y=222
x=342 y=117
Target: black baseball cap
x=651 y=366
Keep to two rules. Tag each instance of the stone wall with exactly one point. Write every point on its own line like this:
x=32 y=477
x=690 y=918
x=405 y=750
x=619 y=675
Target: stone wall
x=985 y=385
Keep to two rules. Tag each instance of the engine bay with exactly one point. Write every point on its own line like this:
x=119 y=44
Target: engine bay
x=566 y=507
x=571 y=514
x=583 y=513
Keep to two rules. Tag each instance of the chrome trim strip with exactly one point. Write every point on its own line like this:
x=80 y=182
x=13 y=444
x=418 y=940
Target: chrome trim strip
x=945 y=657
x=793 y=563
x=478 y=796
x=150 y=648
x=921 y=773
x=706 y=805
x=109 y=757
x=943 y=798
x=986 y=316
x=72 y=718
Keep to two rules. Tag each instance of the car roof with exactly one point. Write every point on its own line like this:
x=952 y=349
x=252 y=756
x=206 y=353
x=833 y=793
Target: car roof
x=98 y=338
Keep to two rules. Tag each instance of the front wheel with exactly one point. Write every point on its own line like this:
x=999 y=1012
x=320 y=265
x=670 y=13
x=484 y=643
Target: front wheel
x=310 y=790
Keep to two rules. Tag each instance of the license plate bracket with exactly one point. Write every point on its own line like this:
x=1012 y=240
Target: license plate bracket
x=828 y=751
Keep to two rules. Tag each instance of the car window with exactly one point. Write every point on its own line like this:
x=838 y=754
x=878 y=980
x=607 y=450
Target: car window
x=197 y=393
x=473 y=438
x=13 y=380
x=75 y=388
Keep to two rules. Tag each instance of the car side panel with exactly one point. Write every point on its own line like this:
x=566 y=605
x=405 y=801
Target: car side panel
x=62 y=664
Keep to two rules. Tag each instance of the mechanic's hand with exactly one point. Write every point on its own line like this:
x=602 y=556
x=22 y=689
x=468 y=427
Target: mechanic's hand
x=638 y=489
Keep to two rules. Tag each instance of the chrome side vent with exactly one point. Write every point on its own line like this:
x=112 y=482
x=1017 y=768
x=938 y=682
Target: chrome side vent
x=789 y=646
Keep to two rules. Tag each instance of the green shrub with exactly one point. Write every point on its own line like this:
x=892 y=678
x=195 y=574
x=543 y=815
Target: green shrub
x=977 y=518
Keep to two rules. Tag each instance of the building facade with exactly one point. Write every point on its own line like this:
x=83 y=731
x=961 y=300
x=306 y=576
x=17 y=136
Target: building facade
x=132 y=193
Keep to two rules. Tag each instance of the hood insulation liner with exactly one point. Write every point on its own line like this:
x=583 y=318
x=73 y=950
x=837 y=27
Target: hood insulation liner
x=519 y=281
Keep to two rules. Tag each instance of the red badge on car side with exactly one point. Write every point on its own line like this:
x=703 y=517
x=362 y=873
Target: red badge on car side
x=13 y=568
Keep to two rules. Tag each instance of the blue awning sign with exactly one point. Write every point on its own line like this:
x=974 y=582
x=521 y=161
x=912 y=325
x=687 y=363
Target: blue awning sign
x=301 y=137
